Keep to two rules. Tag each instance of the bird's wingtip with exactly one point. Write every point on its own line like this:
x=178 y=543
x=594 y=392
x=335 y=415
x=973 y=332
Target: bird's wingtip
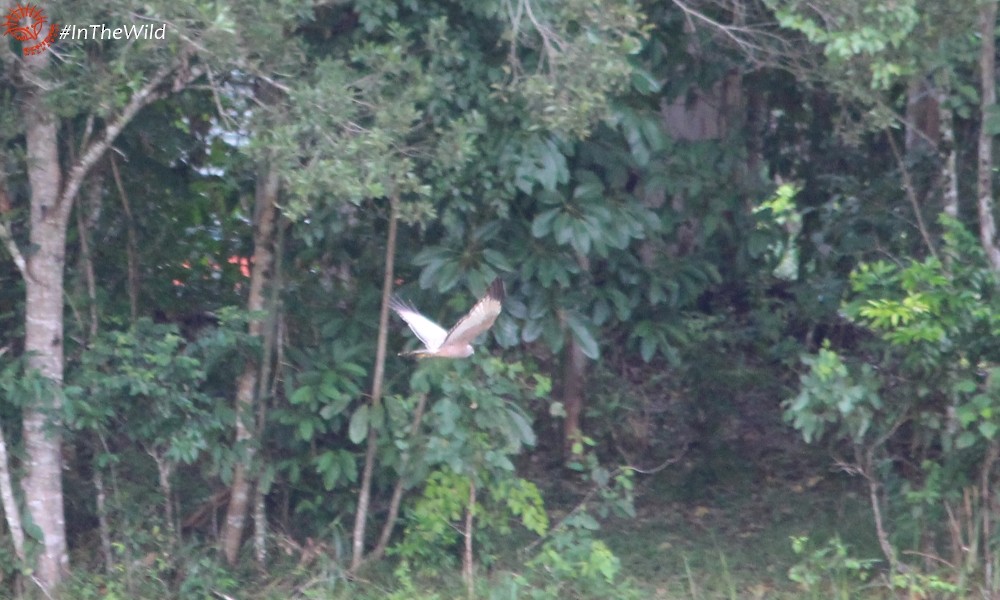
x=496 y=289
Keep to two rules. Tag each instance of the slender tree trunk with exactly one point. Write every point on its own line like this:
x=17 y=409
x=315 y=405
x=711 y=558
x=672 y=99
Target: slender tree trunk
x=44 y=334
x=164 y=470
x=265 y=213
x=259 y=525
x=51 y=203
x=131 y=246
x=364 y=494
x=11 y=510
x=468 y=567
x=397 y=492
x=988 y=94
x=84 y=222
x=911 y=195
x=987 y=498
x=574 y=373
x=103 y=527
x=865 y=460
x=949 y=168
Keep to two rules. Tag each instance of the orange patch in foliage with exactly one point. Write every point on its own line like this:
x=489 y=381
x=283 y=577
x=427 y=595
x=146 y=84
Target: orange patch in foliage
x=243 y=262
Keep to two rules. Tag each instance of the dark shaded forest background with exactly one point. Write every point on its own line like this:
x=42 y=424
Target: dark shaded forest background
x=751 y=263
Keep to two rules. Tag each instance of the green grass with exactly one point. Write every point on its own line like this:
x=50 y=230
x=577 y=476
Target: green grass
x=732 y=537
x=704 y=529
x=727 y=536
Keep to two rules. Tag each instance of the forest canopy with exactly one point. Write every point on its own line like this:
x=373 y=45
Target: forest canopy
x=746 y=252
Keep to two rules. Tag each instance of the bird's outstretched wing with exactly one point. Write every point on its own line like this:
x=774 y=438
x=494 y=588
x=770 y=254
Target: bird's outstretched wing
x=480 y=318
x=429 y=332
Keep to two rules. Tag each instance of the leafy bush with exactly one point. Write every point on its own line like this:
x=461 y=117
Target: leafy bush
x=829 y=571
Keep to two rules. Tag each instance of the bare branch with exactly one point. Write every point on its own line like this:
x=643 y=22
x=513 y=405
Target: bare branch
x=760 y=41
x=15 y=252
x=146 y=95
x=5 y=235
x=911 y=194
x=739 y=35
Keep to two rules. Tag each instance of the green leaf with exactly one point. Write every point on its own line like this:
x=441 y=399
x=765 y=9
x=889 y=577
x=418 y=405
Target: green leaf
x=965 y=440
x=497 y=260
x=542 y=225
x=524 y=430
x=303 y=395
x=647 y=347
x=358 y=429
x=583 y=337
x=644 y=82
x=306 y=428
x=335 y=407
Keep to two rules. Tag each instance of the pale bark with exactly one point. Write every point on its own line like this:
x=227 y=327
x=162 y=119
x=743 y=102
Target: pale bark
x=468 y=567
x=259 y=525
x=988 y=100
x=247 y=397
x=364 y=494
x=987 y=500
x=949 y=170
x=164 y=470
x=44 y=332
x=52 y=198
x=5 y=235
x=11 y=510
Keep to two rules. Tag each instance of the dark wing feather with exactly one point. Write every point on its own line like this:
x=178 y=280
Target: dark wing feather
x=480 y=318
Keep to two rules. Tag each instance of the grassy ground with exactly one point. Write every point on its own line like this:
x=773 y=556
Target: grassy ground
x=719 y=524
x=714 y=526
x=732 y=538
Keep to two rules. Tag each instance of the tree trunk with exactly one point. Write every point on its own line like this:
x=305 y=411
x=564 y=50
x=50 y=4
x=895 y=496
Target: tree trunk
x=52 y=198
x=131 y=246
x=164 y=470
x=10 y=507
x=397 y=492
x=949 y=168
x=103 y=526
x=574 y=372
x=265 y=212
x=468 y=566
x=43 y=328
x=364 y=494
x=259 y=525
x=988 y=94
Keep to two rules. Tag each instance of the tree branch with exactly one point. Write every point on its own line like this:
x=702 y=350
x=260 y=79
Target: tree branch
x=5 y=235
x=911 y=194
x=397 y=491
x=146 y=95
x=364 y=494
x=15 y=252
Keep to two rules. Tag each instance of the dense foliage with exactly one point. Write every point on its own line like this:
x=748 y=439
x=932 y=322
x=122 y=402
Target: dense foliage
x=706 y=215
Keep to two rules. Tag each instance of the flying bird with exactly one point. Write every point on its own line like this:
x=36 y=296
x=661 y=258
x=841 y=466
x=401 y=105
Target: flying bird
x=456 y=343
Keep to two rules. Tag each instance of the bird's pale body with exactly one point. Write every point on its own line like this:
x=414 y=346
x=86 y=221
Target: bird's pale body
x=456 y=342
